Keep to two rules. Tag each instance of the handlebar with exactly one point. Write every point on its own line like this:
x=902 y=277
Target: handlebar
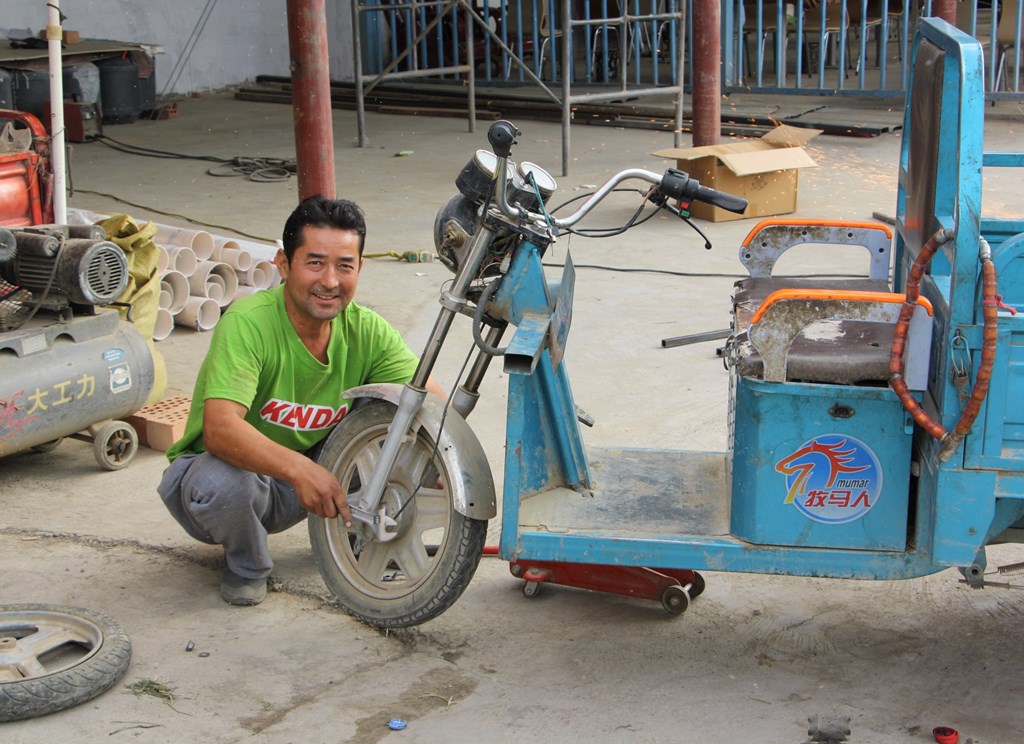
x=678 y=185
x=675 y=184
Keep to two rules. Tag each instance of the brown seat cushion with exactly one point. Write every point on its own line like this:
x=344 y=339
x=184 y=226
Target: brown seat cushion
x=840 y=352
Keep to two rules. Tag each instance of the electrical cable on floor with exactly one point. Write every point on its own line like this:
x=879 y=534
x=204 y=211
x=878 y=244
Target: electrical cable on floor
x=712 y=275
x=175 y=214
x=152 y=152
x=426 y=257
x=407 y=256
x=638 y=270
x=259 y=169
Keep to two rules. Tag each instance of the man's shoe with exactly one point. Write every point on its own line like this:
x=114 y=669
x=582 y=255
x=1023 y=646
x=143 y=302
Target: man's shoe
x=236 y=590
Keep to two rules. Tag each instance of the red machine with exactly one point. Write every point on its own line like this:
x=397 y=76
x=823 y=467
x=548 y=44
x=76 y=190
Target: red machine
x=26 y=179
x=674 y=587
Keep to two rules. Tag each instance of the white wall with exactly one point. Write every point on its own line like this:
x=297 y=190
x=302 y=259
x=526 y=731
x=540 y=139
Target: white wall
x=241 y=39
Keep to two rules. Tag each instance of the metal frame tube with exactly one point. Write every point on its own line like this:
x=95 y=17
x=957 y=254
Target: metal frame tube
x=446 y=9
x=311 y=97
x=707 y=98
x=54 y=35
x=566 y=83
x=466 y=397
x=414 y=393
x=357 y=61
x=681 y=25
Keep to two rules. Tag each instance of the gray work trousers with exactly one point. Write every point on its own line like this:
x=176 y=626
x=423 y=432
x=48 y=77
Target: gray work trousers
x=220 y=504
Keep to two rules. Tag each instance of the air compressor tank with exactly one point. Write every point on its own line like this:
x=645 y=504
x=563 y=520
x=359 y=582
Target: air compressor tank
x=58 y=378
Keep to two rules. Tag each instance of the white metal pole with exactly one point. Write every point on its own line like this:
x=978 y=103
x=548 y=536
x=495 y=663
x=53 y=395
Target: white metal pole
x=54 y=36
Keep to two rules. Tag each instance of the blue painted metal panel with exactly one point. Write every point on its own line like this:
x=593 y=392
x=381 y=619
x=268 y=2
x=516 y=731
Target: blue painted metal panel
x=820 y=466
x=1010 y=486
x=724 y=554
x=997 y=231
x=956 y=203
x=544 y=447
x=1003 y=159
x=997 y=440
x=529 y=340
x=964 y=511
x=524 y=290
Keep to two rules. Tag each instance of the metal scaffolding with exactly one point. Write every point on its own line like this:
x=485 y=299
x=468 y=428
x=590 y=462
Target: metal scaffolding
x=623 y=22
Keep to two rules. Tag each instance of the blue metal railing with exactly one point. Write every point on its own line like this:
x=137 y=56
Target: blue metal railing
x=854 y=47
x=825 y=46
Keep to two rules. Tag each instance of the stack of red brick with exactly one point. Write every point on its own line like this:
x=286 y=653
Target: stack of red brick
x=161 y=424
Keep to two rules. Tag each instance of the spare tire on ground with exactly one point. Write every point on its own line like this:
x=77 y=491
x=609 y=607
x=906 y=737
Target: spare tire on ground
x=54 y=657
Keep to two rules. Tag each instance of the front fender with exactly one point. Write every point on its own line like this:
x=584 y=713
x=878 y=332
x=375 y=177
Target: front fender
x=473 y=493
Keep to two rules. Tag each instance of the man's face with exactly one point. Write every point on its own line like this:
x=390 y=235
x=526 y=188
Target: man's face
x=321 y=278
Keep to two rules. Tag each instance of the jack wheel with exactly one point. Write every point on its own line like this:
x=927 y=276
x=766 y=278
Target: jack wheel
x=115 y=445
x=698 y=586
x=531 y=589
x=675 y=599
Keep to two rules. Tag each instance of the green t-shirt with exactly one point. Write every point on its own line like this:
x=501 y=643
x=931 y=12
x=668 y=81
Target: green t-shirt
x=257 y=359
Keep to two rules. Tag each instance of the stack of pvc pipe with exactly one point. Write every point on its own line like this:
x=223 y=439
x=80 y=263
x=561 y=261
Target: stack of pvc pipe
x=201 y=274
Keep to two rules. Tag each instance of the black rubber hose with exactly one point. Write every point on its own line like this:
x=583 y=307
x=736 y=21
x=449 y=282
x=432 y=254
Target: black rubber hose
x=478 y=320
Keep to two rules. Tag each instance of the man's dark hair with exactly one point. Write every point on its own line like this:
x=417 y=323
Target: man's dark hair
x=320 y=211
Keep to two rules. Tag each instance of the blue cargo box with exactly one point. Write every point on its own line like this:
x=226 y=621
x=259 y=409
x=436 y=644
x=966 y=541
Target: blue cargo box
x=818 y=465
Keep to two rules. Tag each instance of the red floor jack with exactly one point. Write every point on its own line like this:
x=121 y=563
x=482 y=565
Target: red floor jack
x=674 y=588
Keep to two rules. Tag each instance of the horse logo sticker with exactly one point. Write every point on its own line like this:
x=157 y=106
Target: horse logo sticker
x=832 y=479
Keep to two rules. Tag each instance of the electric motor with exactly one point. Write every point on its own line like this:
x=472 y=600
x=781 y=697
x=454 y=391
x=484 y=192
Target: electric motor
x=84 y=271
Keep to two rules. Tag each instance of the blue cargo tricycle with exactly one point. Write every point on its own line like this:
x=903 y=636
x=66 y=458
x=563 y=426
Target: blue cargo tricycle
x=873 y=433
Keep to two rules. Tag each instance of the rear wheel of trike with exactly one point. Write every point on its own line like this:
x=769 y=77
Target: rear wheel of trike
x=418 y=574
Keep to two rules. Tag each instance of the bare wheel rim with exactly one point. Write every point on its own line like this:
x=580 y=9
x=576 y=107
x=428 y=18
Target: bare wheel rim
x=38 y=643
x=417 y=496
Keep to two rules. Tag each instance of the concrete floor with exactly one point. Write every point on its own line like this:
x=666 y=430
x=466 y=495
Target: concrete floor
x=753 y=658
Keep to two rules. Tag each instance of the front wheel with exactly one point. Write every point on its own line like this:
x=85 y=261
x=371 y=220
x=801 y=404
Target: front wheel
x=418 y=574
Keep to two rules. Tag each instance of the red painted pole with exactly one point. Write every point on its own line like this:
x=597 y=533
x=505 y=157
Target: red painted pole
x=944 y=9
x=707 y=66
x=311 y=97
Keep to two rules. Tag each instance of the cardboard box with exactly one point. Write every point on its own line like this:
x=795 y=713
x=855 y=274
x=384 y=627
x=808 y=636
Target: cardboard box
x=762 y=171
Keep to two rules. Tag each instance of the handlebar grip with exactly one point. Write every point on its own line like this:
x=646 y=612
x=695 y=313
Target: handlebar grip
x=728 y=202
x=678 y=185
